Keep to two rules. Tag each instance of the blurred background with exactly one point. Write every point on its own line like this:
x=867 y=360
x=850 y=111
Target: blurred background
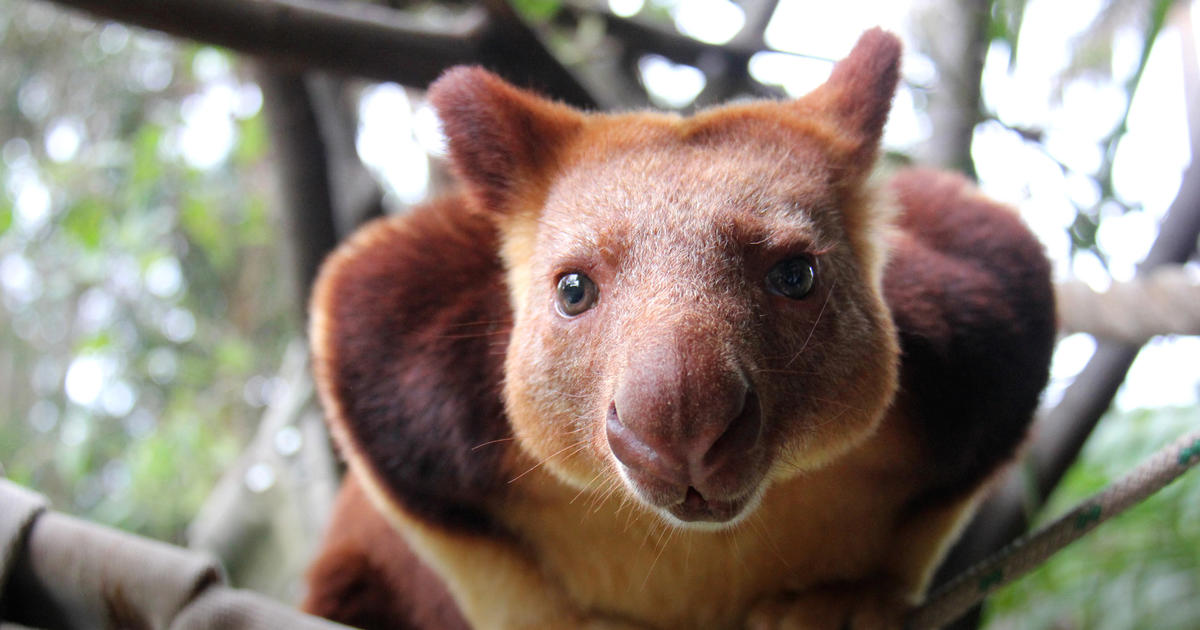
x=157 y=234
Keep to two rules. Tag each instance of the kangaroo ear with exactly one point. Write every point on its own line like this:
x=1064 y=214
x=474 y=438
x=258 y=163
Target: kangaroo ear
x=502 y=139
x=858 y=94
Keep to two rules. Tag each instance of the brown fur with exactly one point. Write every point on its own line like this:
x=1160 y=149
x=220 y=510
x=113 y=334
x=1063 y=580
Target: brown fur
x=478 y=420
x=368 y=578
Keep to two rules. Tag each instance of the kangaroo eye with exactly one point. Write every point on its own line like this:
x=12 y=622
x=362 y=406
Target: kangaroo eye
x=576 y=294
x=792 y=278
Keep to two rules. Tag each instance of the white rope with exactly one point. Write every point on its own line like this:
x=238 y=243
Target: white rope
x=1165 y=301
x=1023 y=555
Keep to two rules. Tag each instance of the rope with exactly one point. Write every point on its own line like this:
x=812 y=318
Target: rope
x=1165 y=301
x=1026 y=553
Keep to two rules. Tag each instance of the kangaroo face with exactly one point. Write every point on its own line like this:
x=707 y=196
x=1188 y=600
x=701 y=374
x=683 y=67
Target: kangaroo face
x=696 y=300
x=692 y=318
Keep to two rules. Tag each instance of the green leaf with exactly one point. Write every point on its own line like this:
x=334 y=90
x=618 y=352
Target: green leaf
x=537 y=10
x=100 y=341
x=1015 y=14
x=146 y=165
x=85 y=222
x=204 y=228
x=256 y=222
x=6 y=219
x=234 y=356
x=1083 y=232
x=252 y=141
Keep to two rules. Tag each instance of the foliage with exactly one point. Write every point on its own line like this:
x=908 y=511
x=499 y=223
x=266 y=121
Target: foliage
x=1091 y=59
x=1135 y=571
x=1005 y=25
x=137 y=270
x=537 y=10
x=1094 y=54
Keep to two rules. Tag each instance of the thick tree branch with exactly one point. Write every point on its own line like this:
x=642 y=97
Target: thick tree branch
x=356 y=196
x=1191 y=68
x=355 y=38
x=302 y=174
x=954 y=35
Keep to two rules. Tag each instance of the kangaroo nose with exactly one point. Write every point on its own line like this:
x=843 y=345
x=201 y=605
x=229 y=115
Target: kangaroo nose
x=682 y=418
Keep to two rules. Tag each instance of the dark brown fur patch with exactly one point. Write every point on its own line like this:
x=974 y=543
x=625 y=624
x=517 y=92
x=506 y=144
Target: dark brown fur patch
x=416 y=316
x=969 y=288
x=367 y=577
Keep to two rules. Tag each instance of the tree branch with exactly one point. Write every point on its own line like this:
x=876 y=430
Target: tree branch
x=355 y=38
x=954 y=35
x=356 y=196
x=302 y=174
x=352 y=38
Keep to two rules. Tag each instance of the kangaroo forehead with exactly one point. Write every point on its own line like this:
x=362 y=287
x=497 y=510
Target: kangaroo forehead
x=736 y=171
x=691 y=200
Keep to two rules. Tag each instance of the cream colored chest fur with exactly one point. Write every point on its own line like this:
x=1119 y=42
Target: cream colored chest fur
x=617 y=559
